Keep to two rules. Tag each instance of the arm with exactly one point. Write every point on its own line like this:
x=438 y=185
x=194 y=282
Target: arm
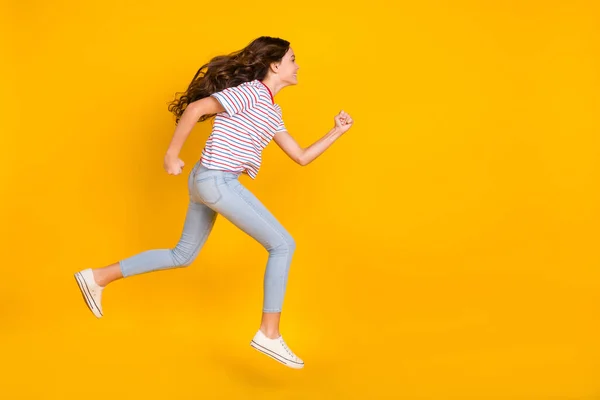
x=305 y=156
x=192 y=113
x=208 y=105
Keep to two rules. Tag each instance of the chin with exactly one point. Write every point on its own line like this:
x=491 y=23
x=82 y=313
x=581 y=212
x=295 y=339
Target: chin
x=291 y=82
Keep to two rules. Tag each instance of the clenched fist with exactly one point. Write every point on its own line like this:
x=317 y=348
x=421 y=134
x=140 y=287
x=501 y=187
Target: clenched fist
x=173 y=164
x=343 y=121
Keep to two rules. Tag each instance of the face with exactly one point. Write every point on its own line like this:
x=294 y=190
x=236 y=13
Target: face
x=288 y=68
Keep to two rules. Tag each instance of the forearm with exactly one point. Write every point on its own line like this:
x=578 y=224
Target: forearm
x=313 y=151
x=188 y=119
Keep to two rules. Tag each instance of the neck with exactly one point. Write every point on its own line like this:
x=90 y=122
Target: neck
x=272 y=83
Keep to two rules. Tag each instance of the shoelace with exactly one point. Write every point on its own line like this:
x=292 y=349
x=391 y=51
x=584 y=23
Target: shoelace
x=287 y=348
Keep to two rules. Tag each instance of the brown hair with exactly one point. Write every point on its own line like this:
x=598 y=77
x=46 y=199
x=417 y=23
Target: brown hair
x=225 y=71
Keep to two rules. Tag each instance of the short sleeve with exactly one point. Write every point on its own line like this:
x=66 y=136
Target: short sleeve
x=280 y=125
x=238 y=98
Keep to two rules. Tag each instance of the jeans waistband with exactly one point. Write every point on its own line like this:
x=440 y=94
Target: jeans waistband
x=201 y=169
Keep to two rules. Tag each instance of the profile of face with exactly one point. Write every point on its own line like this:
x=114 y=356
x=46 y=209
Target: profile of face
x=287 y=69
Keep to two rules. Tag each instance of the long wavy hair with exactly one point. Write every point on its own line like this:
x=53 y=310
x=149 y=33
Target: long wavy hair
x=225 y=71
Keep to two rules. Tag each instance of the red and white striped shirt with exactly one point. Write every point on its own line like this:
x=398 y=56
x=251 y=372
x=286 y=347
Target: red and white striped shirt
x=240 y=133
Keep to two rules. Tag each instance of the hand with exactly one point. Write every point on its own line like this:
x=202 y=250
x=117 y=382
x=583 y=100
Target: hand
x=343 y=121
x=173 y=165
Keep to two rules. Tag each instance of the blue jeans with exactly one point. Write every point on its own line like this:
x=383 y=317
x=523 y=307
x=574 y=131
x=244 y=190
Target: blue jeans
x=213 y=192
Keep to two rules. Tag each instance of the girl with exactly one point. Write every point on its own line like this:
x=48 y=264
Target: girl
x=237 y=89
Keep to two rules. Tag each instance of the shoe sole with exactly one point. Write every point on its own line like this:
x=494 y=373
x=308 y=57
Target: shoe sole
x=275 y=356
x=87 y=297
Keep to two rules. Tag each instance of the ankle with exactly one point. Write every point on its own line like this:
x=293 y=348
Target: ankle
x=270 y=333
x=99 y=278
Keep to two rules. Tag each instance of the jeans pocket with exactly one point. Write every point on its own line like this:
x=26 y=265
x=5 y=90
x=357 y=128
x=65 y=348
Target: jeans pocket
x=208 y=189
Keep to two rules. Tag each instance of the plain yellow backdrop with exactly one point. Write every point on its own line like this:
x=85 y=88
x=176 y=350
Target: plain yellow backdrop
x=447 y=245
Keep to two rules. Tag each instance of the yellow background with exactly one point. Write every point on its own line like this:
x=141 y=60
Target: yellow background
x=447 y=245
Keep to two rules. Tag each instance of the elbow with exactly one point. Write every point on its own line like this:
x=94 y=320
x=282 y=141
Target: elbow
x=301 y=160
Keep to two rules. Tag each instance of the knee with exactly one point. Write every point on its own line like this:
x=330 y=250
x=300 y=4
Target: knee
x=292 y=244
x=286 y=245
x=187 y=262
x=182 y=257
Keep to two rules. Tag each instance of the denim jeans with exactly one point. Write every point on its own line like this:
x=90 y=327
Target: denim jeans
x=213 y=192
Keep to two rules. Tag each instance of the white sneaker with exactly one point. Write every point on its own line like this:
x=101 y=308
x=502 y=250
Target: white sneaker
x=91 y=291
x=277 y=349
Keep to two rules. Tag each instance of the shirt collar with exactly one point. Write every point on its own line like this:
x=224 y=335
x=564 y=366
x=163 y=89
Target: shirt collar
x=269 y=90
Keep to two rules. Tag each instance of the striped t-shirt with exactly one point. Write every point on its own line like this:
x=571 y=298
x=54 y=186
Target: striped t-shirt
x=240 y=133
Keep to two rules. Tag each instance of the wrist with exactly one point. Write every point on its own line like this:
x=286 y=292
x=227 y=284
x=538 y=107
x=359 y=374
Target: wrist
x=337 y=132
x=171 y=153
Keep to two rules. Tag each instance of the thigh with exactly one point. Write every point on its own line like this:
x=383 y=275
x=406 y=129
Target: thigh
x=243 y=209
x=199 y=221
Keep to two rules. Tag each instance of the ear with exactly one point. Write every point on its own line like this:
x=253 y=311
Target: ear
x=274 y=67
